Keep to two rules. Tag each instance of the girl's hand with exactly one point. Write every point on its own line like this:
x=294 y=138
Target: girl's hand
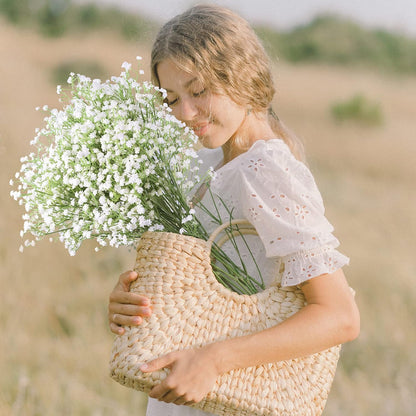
x=126 y=308
x=192 y=376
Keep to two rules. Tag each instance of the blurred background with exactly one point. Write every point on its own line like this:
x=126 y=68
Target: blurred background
x=346 y=80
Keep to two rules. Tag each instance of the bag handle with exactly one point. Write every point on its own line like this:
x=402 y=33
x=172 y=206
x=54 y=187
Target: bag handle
x=244 y=227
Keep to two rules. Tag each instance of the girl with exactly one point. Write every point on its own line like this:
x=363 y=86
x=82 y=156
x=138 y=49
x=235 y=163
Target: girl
x=218 y=81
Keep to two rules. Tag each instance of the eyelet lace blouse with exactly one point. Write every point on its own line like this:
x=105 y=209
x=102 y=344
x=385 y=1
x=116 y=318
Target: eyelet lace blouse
x=277 y=194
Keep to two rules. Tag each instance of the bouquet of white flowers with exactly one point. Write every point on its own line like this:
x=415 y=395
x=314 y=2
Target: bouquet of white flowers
x=116 y=163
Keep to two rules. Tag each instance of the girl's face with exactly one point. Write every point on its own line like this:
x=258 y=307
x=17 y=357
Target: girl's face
x=215 y=118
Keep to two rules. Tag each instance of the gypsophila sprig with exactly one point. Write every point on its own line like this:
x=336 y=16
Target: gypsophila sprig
x=110 y=165
x=96 y=171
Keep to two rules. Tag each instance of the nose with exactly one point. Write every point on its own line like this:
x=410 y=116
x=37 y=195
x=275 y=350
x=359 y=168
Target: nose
x=187 y=109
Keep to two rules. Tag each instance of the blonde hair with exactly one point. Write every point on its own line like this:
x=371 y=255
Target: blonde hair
x=223 y=49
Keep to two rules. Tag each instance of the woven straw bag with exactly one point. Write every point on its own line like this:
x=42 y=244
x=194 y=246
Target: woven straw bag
x=191 y=309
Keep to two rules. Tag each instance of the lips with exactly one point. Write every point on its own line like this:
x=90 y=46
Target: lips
x=201 y=128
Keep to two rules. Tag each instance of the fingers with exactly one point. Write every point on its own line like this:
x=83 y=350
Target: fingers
x=166 y=391
x=129 y=304
x=115 y=329
x=158 y=363
x=130 y=315
x=117 y=321
x=120 y=296
x=174 y=388
x=126 y=278
x=125 y=320
x=126 y=308
x=168 y=394
x=182 y=401
x=129 y=309
x=171 y=397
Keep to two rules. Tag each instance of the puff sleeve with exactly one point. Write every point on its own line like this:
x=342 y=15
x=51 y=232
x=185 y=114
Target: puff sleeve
x=280 y=198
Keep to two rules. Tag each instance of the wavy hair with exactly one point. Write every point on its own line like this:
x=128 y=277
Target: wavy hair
x=224 y=50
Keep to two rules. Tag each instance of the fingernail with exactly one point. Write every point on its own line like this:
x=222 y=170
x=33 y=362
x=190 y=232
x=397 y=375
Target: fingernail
x=144 y=367
x=146 y=311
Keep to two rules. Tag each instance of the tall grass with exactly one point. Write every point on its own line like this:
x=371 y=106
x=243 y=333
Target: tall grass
x=55 y=18
x=359 y=109
x=326 y=39
x=340 y=41
x=55 y=341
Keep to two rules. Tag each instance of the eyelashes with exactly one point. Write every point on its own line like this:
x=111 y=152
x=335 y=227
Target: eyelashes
x=170 y=103
x=198 y=94
x=195 y=94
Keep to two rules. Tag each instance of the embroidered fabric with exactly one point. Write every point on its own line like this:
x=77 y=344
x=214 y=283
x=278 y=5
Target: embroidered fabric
x=278 y=195
x=269 y=187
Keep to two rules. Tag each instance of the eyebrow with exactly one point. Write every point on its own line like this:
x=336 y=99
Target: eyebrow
x=187 y=85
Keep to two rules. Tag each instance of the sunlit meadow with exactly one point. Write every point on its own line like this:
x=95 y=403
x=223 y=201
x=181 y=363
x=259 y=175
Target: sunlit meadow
x=55 y=343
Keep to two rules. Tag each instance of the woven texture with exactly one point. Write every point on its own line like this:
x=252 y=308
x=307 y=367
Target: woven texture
x=191 y=309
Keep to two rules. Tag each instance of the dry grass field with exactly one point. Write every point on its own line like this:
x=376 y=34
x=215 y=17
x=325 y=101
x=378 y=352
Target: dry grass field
x=55 y=344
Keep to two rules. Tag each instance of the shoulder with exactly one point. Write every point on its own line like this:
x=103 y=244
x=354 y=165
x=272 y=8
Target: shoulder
x=267 y=156
x=271 y=163
x=269 y=178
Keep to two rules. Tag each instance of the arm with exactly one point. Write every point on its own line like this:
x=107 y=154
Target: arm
x=330 y=317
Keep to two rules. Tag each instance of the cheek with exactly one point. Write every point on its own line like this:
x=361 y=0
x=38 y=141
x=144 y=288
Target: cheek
x=231 y=113
x=235 y=119
x=175 y=113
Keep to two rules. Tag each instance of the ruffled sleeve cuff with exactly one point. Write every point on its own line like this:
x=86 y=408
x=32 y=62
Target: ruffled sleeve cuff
x=305 y=265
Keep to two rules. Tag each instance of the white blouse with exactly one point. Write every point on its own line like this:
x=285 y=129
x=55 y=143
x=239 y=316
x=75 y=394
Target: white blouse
x=277 y=194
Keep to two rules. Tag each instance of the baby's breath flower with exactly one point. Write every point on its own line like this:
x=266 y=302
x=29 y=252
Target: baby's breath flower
x=126 y=66
x=111 y=164
x=101 y=167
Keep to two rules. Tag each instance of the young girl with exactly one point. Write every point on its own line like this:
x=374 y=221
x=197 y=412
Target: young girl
x=218 y=81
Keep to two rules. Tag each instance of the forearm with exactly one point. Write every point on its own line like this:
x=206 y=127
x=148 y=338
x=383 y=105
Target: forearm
x=331 y=317
x=310 y=330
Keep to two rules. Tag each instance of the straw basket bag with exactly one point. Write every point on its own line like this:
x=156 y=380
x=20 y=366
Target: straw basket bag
x=191 y=309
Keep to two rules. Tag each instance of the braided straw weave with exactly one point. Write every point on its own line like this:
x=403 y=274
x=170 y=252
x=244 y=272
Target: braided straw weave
x=191 y=309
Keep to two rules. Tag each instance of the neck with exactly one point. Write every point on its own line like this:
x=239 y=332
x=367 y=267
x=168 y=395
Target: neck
x=254 y=127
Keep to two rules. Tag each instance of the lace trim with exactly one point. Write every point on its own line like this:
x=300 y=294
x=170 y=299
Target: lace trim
x=305 y=265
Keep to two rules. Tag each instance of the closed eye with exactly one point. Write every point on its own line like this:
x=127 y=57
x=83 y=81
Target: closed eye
x=175 y=101
x=170 y=103
x=198 y=94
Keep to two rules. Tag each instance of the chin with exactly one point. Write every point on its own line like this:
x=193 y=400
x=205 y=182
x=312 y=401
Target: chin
x=210 y=143
x=207 y=143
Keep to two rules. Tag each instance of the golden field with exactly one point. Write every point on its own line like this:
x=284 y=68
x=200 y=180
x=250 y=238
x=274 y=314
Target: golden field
x=55 y=342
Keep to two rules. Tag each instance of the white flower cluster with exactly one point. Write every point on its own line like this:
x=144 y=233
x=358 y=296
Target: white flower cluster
x=113 y=159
